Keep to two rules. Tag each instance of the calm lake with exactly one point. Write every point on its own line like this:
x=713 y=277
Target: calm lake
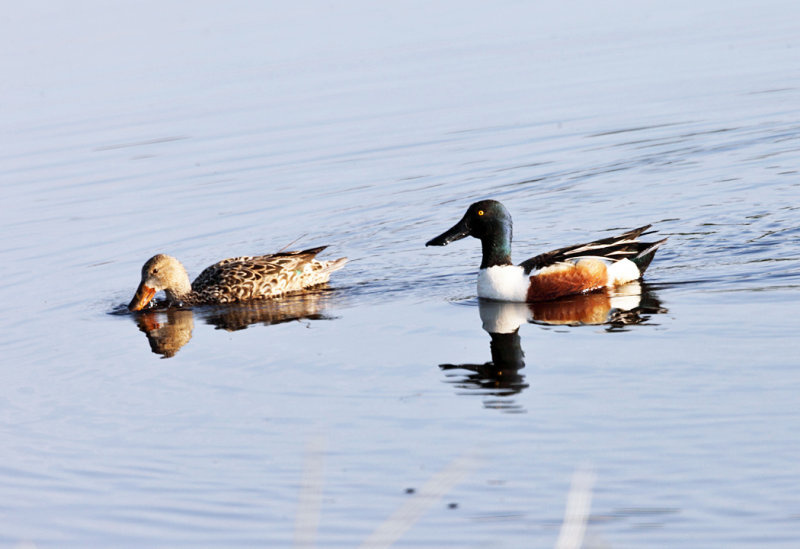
x=393 y=408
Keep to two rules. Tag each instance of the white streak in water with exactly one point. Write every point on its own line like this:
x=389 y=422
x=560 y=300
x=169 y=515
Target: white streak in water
x=404 y=518
x=576 y=514
x=306 y=521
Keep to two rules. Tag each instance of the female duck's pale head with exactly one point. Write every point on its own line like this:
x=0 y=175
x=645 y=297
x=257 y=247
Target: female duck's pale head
x=161 y=272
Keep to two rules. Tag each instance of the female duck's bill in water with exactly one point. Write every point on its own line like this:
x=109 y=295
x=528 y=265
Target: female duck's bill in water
x=571 y=270
x=232 y=280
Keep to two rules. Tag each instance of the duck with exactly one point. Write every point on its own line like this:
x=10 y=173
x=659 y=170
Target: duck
x=232 y=280
x=576 y=269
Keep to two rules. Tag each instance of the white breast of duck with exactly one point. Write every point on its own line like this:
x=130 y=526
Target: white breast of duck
x=503 y=283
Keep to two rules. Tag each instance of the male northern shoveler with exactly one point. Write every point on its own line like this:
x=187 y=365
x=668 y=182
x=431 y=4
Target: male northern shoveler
x=246 y=278
x=571 y=270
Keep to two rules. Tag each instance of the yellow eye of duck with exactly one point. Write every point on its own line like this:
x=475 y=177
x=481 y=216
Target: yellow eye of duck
x=480 y=212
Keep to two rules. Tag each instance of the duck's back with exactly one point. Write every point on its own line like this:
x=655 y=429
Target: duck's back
x=250 y=278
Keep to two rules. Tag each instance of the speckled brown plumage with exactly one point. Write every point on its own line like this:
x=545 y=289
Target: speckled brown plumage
x=237 y=279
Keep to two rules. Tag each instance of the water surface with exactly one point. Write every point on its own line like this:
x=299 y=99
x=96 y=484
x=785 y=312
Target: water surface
x=206 y=134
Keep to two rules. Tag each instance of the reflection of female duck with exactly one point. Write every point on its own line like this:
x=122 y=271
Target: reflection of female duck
x=166 y=331
x=309 y=305
x=169 y=330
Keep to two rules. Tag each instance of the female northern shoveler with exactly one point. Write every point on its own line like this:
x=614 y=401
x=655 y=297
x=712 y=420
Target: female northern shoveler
x=566 y=271
x=236 y=279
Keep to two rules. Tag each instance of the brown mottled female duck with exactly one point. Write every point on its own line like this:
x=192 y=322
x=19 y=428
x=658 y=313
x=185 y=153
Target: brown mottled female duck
x=233 y=280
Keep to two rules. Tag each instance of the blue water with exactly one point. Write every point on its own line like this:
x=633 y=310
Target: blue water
x=330 y=419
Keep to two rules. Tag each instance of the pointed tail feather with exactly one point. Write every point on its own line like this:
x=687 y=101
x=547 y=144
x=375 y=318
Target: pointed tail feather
x=311 y=251
x=643 y=259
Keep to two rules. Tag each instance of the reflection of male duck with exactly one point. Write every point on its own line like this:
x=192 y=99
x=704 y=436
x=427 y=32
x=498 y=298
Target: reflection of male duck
x=622 y=306
x=625 y=305
x=168 y=330
x=501 y=376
